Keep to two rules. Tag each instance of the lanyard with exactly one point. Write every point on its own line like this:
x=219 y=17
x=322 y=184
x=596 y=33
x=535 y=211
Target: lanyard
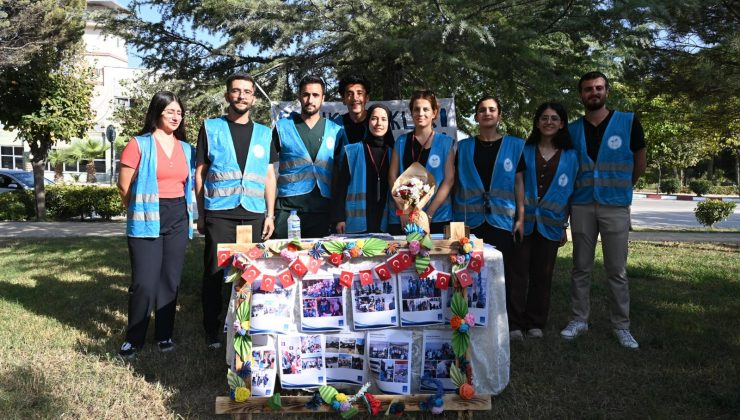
x=422 y=146
x=377 y=168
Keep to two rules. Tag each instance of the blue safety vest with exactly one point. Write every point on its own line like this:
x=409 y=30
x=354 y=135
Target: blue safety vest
x=551 y=211
x=438 y=153
x=226 y=186
x=609 y=180
x=471 y=196
x=356 y=202
x=142 y=218
x=298 y=173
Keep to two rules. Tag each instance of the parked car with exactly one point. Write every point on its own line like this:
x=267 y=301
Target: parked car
x=14 y=179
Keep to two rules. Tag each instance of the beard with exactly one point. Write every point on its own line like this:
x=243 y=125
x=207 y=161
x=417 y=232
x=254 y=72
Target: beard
x=240 y=111
x=306 y=112
x=593 y=106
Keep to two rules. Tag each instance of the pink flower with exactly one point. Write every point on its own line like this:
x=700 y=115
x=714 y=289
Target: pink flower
x=460 y=259
x=237 y=325
x=414 y=247
x=288 y=255
x=470 y=319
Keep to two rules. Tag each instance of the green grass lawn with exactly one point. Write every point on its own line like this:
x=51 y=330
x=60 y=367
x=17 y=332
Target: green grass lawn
x=63 y=316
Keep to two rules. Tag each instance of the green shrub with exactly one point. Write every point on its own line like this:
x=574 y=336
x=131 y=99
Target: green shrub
x=17 y=205
x=670 y=185
x=641 y=184
x=68 y=201
x=700 y=186
x=723 y=189
x=713 y=211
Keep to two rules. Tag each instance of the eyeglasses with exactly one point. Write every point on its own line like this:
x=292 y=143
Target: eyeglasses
x=245 y=92
x=553 y=118
x=170 y=113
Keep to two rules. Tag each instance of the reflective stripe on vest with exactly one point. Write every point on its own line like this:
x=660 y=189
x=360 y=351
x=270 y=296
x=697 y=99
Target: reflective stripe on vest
x=142 y=219
x=607 y=181
x=298 y=173
x=551 y=211
x=226 y=186
x=438 y=155
x=470 y=197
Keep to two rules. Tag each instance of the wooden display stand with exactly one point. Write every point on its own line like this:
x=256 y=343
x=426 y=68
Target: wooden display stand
x=296 y=404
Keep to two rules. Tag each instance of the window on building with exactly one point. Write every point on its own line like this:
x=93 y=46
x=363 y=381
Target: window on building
x=121 y=102
x=11 y=157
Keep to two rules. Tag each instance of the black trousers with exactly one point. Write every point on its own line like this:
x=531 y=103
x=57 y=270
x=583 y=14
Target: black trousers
x=156 y=268
x=313 y=225
x=219 y=230
x=434 y=227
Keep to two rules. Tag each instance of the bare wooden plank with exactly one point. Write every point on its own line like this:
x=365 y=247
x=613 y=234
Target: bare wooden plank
x=296 y=404
x=455 y=231
x=244 y=234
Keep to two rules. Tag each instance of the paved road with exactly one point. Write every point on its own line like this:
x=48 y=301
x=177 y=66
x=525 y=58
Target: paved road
x=662 y=214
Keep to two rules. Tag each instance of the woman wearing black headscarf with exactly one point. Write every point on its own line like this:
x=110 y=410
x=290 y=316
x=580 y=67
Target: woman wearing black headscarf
x=362 y=186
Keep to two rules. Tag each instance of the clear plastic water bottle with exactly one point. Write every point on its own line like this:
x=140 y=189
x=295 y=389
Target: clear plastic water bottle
x=294 y=225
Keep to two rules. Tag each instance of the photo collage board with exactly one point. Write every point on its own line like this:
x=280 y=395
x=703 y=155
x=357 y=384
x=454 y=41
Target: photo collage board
x=323 y=333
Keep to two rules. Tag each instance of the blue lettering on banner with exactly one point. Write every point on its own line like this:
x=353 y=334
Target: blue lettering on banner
x=394 y=124
x=329 y=115
x=359 y=378
x=439 y=317
x=443 y=117
x=341 y=322
x=406 y=125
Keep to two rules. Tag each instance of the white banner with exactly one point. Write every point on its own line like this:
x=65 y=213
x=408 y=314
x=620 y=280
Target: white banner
x=401 y=118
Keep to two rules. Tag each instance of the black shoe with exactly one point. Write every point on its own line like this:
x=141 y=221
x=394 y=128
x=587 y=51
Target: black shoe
x=166 y=345
x=127 y=351
x=213 y=342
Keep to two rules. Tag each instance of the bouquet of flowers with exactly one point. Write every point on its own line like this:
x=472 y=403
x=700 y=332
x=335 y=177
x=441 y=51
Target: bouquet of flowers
x=412 y=191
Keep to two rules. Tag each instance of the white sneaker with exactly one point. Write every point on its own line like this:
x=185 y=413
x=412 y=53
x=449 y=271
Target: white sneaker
x=535 y=333
x=625 y=339
x=516 y=335
x=574 y=329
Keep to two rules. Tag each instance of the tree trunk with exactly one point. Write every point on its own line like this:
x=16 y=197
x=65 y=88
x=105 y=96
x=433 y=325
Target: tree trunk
x=39 y=189
x=91 y=177
x=392 y=85
x=710 y=168
x=59 y=172
x=737 y=169
x=660 y=176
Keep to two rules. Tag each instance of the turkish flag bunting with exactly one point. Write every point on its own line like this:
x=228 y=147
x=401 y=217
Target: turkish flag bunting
x=345 y=279
x=382 y=271
x=366 y=277
x=298 y=268
x=406 y=259
x=395 y=263
x=427 y=272
x=268 y=283
x=314 y=264
x=443 y=280
x=464 y=277
x=223 y=258
x=255 y=253
x=286 y=279
x=251 y=273
x=240 y=262
x=476 y=261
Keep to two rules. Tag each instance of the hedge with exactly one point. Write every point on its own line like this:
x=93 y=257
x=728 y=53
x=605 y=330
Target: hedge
x=64 y=202
x=711 y=212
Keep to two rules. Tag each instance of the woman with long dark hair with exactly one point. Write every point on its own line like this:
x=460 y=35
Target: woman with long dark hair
x=489 y=195
x=552 y=165
x=362 y=186
x=433 y=150
x=155 y=183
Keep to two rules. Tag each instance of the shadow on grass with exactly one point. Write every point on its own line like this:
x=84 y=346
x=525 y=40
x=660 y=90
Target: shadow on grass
x=24 y=390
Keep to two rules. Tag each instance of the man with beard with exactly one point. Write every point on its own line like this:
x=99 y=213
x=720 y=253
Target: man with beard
x=611 y=150
x=309 y=144
x=235 y=184
x=355 y=93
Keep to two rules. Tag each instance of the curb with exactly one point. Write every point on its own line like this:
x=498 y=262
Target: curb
x=682 y=197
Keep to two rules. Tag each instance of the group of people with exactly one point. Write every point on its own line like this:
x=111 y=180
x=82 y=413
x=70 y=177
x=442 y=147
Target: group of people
x=337 y=175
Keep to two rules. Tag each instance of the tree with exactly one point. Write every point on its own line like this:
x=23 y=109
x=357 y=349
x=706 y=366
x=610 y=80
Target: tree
x=88 y=150
x=28 y=26
x=522 y=52
x=57 y=158
x=48 y=100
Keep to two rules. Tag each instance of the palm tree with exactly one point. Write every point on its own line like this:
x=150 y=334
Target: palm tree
x=88 y=150
x=58 y=158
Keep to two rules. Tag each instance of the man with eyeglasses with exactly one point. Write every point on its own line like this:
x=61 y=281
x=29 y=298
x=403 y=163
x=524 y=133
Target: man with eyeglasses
x=235 y=184
x=612 y=155
x=309 y=145
x=355 y=91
